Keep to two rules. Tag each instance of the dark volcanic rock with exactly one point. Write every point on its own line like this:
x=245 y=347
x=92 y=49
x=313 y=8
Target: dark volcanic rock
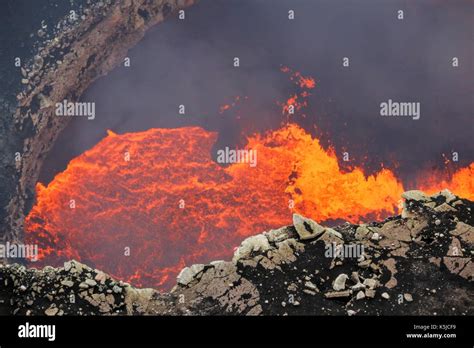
x=418 y=264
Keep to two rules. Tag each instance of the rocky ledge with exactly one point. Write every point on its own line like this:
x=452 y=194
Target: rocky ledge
x=418 y=263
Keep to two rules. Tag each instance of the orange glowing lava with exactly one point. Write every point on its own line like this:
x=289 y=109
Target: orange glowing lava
x=297 y=101
x=141 y=206
x=461 y=182
x=160 y=194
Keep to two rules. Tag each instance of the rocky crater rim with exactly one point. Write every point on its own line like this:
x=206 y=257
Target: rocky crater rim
x=83 y=48
x=420 y=262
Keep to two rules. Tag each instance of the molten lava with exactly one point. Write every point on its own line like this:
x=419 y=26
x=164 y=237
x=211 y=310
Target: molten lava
x=141 y=206
x=297 y=101
x=461 y=182
x=159 y=195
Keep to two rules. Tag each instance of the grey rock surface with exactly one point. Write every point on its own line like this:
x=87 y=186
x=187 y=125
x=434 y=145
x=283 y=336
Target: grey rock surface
x=417 y=267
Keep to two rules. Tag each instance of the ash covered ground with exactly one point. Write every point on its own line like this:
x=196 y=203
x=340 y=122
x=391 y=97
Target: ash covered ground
x=417 y=263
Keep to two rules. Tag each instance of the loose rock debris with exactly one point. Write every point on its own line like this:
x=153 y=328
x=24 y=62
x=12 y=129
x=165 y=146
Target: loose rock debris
x=419 y=263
